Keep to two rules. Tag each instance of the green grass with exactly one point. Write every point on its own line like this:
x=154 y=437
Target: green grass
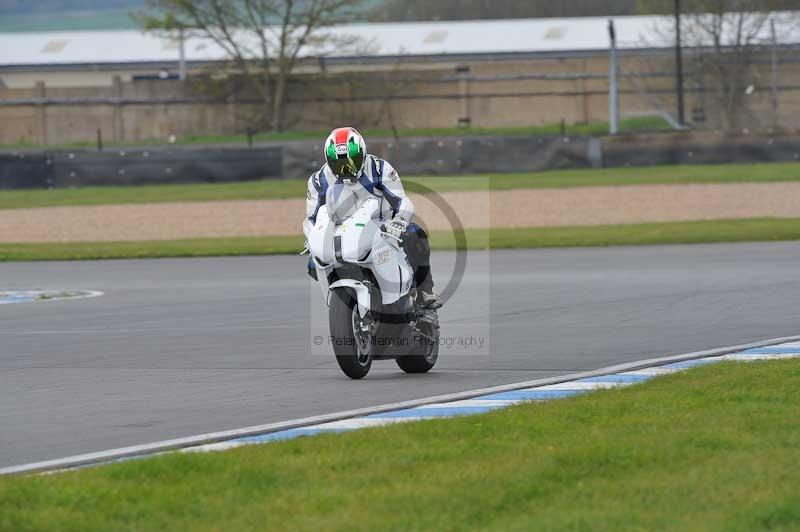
x=696 y=232
x=111 y=195
x=647 y=123
x=655 y=175
x=700 y=232
x=713 y=448
x=296 y=188
x=195 y=247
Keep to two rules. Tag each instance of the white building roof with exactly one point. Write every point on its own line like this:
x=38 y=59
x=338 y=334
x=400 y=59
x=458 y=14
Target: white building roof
x=375 y=40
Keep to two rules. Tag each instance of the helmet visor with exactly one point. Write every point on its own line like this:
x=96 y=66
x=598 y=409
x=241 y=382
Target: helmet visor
x=344 y=167
x=345 y=153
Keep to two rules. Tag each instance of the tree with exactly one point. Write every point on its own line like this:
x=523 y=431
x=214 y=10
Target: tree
x=725 y=39
x=262 y=39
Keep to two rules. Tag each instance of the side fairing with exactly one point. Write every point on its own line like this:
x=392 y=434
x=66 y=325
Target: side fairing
x=320 y=239
x=391 y=269
x=359 y=240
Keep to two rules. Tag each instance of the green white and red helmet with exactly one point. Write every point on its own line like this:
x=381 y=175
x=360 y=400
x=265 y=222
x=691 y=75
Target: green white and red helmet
x=345 y=152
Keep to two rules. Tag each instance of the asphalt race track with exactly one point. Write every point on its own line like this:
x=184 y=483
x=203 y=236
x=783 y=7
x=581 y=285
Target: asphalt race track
x=187 y=346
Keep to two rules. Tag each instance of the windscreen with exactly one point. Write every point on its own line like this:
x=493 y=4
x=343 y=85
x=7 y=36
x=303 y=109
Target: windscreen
x=342 y=202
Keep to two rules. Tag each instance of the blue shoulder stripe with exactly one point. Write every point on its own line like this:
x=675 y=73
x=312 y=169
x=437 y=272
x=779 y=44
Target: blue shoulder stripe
x=321 y=184
x=377 y=170
x=323 y=180
x=317 y=182
x=394 y=201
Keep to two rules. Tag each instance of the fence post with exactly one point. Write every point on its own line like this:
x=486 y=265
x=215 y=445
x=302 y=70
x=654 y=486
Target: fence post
x=612 y=77
x=182 y=54
x=465 y=120
x=41 y=111
x=586 y=113
x=119 y=126
x=679 y=65
x=776 y=121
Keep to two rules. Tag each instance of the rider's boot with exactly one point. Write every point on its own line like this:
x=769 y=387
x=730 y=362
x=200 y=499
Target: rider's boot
x=419 y=253
x=427 y=295
x=430 y=300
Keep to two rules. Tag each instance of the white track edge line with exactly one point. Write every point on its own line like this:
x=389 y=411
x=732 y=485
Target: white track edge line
x=255 y=430
x=83 y=294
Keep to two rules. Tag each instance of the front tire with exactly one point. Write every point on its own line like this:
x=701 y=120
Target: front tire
x=353 y=353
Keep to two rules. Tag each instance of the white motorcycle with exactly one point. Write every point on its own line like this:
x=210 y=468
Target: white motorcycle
x=373 y=309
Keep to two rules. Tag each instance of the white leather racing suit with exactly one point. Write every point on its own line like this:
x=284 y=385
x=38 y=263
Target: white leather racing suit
x=377 y=180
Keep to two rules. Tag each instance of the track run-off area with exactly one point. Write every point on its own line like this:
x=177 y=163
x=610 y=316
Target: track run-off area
x=177 y=347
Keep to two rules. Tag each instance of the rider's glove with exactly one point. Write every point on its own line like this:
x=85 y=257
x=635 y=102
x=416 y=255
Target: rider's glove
x=397 y=227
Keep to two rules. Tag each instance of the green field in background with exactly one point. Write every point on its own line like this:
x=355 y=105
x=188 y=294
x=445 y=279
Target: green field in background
x=296 y=188
x=712 y=448
x=701 y=232
x=645 y=123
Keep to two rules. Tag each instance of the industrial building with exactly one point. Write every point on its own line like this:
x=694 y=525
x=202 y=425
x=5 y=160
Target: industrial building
x=59 y=87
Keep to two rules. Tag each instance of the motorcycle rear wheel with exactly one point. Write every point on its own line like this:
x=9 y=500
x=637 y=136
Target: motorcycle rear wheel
x=352 y=349
x=418 y=363
x=424 y=361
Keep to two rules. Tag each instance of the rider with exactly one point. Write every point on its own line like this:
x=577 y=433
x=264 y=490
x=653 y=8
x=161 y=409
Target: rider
x=349 y=165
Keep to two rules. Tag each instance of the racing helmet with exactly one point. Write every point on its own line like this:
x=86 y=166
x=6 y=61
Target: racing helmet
x=345 y=152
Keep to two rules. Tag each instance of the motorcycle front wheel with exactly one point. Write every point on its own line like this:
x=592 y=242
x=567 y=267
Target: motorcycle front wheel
x=351 y=344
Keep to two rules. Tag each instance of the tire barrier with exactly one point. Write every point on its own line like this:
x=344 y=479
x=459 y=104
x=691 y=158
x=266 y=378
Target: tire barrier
x=25 y=170
x=691 y=148
x=460 y=155
x=139 y=166
x=413 y=156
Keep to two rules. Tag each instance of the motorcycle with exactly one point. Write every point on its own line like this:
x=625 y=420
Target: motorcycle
x=374 y=312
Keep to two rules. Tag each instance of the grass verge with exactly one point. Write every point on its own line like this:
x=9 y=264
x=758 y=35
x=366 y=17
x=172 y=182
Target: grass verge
x=296 y=188
x=700 y=232
x=713 y=448
x=194 y=247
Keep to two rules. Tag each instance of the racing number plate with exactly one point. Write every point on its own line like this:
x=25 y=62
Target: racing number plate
x=383 y=257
